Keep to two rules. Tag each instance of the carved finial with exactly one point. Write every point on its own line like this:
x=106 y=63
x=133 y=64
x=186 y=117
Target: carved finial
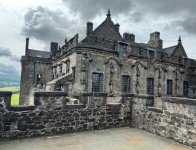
x=108 y=14
x=179 y=40
x=65 y=40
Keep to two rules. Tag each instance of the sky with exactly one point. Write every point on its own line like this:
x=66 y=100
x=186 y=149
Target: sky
x=44 y=21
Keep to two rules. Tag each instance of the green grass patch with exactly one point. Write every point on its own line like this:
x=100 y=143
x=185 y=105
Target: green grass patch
x=15 y=94
x=15 y=99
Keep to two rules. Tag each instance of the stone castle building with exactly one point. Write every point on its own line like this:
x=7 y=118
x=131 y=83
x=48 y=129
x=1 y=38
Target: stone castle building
x=105 y=61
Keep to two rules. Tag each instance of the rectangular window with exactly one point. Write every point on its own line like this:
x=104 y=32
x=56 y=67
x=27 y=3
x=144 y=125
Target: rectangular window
x=185 y=88
x=97 y=82
x=169 y=87
x=151 y=55
x=125 y=84
x=150 y=86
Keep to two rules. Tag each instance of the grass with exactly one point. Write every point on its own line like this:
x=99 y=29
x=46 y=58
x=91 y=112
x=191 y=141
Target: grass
x=15 y=96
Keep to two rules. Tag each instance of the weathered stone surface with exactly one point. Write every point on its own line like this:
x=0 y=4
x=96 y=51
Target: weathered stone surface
x=54 y=117
x=177 y=121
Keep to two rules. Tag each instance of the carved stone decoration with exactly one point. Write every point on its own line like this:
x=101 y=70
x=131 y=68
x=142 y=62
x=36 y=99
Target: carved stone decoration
x=137 y=85
x=159 y=85
x=177 y=72
x=115 y=59
x=137 y=63
x=138 y=74
x=111 y=82
x=83 y=65
x=85 y=62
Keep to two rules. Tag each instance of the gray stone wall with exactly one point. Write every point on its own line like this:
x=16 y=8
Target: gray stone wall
x=30 y=68
x=54 y=116
x=5 y=98
x=138 y=70
x=176 y=121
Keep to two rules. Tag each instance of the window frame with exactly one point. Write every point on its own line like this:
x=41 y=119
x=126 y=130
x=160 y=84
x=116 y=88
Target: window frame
x=125 y=84
x=97 y=87
x=149 y=85
x=169 y=87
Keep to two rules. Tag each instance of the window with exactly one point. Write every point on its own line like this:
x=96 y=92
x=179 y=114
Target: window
x=97 y=82
x=140 y=52
x=150 y=86
x=151 y=55
x=125 y=84
x=38 y=78
x=185 y=88
x=169 y=87
x=162 y=57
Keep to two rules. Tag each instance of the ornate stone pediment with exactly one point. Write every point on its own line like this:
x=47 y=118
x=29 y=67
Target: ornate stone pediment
x=137 y=63
x=114 y=59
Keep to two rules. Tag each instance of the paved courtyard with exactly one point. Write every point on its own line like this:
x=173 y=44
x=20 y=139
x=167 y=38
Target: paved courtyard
x=111 y=139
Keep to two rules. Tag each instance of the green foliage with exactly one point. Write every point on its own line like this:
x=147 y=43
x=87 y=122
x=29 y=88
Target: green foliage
x=15 y=94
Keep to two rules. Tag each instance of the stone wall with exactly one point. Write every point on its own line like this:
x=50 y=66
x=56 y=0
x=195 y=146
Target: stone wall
x=54 y=116
x=176 y=121
x=5 y=98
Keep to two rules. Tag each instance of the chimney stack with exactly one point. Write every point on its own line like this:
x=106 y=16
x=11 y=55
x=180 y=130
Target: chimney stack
x=129 y=37
x=53 y=48
x=27 y=46
x=155 y=40
x=89 y=28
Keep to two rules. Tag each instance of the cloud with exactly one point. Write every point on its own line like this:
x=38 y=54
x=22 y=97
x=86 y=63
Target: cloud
x=5 y=52
x=189 y=25
x=136 y=16
x=45 y=25
x=168 y=7
x=90 y=8
x=9 y=70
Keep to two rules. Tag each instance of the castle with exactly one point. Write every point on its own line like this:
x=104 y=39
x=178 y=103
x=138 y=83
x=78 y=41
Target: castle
x=105 y=61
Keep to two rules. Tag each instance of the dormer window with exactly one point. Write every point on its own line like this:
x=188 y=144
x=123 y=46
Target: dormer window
x=141 y=52
x=162 y=57
x=151 y=55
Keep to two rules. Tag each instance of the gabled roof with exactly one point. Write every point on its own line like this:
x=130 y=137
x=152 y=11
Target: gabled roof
x=170 y=50
x=37 y=53
x=177 y=50
x=107 y=30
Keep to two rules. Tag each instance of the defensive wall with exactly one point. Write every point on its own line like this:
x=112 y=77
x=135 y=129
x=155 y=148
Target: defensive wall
x=53 y=114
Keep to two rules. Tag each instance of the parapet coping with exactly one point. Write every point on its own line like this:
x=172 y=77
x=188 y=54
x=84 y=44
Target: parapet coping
x=180 y=100
x=5 y=93
x=103 y=94
x=52 y=94
x=138 y=95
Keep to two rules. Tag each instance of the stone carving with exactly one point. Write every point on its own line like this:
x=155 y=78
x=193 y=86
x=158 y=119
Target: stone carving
x=177 y=72
x=111 y=92
x=137 y=84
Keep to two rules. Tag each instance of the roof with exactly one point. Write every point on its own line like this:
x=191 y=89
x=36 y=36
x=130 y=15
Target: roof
x=107 y=30
x=170 y=50
x=38 y=53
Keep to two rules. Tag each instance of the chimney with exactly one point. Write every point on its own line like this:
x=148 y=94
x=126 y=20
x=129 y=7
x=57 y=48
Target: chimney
x=53 y=48
x=129 y=37
x=27 y=46
x=89 y=28
x=117 y=26
x=155 y=40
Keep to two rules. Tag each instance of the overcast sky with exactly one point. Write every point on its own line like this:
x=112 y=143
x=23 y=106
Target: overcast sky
x=44 y=21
